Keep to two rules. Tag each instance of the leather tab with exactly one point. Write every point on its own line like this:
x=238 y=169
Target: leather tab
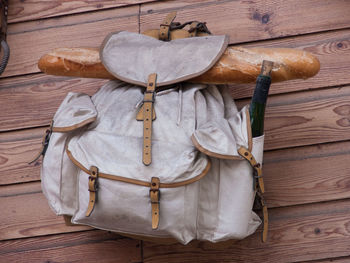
x=93 y=187
x=256 y=166
x=193 y=31
x=154 y=195
x=148 y=119
x=164 y=31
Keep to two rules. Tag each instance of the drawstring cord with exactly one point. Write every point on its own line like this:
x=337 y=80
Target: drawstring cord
x=179 y=108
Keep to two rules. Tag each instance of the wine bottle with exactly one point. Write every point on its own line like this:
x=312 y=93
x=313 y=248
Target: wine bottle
x=258 y=103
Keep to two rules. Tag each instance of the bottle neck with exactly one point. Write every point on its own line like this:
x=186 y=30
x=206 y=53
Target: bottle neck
x=258 y=104
x=261 y=89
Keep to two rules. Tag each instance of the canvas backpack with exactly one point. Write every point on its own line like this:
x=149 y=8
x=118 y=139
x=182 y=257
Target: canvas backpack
x=151 y=155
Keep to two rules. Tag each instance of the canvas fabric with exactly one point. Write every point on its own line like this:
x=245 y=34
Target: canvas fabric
x=196 y=126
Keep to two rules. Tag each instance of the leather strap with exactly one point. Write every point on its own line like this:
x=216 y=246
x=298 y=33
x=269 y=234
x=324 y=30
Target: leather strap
x=140 y=117
x=154 y=195
x=265 y=217
x=164 y=31
x=93 y=187
x=258 y=179
x=148 y=102
x=258 y=187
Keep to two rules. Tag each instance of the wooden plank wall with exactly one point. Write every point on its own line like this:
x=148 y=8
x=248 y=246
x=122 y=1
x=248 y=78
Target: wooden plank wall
x=307 y=157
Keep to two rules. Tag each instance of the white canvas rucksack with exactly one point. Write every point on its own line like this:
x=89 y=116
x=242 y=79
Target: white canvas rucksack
x=152 y=155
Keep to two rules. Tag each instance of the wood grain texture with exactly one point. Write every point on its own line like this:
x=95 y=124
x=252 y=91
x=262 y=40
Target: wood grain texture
x=20 y=10
x=252 y=20
x=329 y=260
x=307 y=174
x=299 y=233
x=25 y=213
x=33 y=100
x=16 y=150
x=30 y=41
x=90 y=247
x=331 y=48
x=306 y=118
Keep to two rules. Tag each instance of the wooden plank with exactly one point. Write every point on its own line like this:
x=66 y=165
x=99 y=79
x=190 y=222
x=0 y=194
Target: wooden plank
x=297 y=233
x=329 y=260
x=25 y=213
x=20 y=10
x=30 y=41
x=32 y=100
x=16 y=150
x=331 y=48
x=252 y=20
x=307 y=118
x=307 y=174
x=89 y=246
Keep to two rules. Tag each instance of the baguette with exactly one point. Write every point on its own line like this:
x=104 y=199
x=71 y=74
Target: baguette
x=237 y=65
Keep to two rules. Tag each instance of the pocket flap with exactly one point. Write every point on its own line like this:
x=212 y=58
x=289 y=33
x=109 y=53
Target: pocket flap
x=76 y=110
x=222 y=138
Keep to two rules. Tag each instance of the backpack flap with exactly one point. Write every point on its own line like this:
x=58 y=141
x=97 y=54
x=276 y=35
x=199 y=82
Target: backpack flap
x=132 y=57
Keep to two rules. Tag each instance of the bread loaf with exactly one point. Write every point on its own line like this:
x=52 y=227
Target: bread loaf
x=237 y=64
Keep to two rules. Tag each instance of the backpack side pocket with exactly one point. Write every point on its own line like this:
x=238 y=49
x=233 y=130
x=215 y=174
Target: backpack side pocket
x=58 y=174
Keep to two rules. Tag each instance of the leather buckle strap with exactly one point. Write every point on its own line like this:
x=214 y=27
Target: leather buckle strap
x=257 y=171
x=92 y=187
x=258 y=187
x=148 y=117
x=154 y=195
x=164 y=31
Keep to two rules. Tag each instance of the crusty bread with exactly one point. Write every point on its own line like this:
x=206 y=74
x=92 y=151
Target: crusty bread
x=237 y=64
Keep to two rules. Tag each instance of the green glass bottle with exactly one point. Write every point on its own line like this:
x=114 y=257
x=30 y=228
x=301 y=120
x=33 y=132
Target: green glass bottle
x=258 y=103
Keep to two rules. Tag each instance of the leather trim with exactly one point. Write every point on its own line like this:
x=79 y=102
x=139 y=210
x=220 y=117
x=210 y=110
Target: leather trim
x=212 y=154
x=225 y=156
x=75 y=126
x=139 y=182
